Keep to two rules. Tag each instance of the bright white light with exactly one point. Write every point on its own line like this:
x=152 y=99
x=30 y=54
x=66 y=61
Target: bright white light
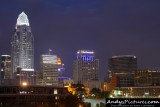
x=5 y=55
x=22 y=19
x=55 y=91
x=120 y=56
x=89 y=52
x=49 y=59
x=93 y=95
x=27 y=69
x=146 y=93
x=24 y=84
x=111 y=96
x=85 y=51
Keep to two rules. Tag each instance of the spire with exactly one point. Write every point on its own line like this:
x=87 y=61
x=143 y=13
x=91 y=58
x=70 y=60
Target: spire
x=22 y=19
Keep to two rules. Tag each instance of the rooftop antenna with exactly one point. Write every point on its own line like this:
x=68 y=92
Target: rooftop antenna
x=50 y=50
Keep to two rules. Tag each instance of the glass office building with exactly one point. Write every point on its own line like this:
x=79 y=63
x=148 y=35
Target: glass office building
x=22 y=45
x=123 y=68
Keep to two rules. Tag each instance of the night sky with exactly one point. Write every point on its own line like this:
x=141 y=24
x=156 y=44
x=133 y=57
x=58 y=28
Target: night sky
x=110 y=27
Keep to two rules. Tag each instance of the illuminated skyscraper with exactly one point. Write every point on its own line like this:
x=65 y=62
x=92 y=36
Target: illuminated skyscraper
x=86 y=67
x=51 y=66
x=22 y=45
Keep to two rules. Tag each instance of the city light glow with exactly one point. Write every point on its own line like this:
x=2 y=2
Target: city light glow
x=24 y=84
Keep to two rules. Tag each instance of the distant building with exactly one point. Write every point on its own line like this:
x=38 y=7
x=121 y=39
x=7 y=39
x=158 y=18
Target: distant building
x=25 y=76
x=64 y=81
x=6 y=72
x=22 y=52
x=49 y=71
x=22 y=45
x=86 y=66
x=137 y=92
x=123 y=68
x=147 y=78
x=113 y=83
x=90 y=84
x=106 y=86
x=127 y=63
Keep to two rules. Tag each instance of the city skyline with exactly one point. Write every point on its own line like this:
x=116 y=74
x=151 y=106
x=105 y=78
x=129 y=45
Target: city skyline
x=107 y=27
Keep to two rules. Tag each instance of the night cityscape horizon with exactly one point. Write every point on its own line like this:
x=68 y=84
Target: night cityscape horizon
x=107 y=27
x=79 y=53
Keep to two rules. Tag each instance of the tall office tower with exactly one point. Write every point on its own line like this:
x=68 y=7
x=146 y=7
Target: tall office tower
x=6 y=73
x=22 y=45
x=23 y=52
x=123 y=68
x=50 y=68
x=86 y=66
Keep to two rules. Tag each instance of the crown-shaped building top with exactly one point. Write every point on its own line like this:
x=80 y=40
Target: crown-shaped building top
x=22 y=19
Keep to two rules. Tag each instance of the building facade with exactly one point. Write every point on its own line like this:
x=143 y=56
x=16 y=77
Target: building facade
x=22 y=52
x=27 y=76
x=22 y=45
x=49 y=71
x=137 y=92
x=90 y=84
x=147 y=78
x=6 y=73
x=32 y=96
x=123 y=68
x=86 y=66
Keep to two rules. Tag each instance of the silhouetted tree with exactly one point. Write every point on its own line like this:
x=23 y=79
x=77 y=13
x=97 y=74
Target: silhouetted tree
x=105 y=94
x=69 y=101
x=96 y=92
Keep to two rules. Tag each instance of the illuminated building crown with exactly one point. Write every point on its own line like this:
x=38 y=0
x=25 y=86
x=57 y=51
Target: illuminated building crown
x=22 y=19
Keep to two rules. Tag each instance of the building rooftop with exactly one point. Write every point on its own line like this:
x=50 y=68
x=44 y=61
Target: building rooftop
x=121 y=56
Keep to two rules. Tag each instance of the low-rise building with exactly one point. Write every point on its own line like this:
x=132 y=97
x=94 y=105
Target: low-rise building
x=137 y=92
x=90 y=84
x=147 y=78
x=31 y=96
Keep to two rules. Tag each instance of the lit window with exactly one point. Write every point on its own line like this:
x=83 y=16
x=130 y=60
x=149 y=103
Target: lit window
x=55 y=91
x=56 y=97
x=48 y=78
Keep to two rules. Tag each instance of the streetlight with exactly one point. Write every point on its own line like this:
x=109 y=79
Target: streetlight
x=24 y=84
x=80 y=105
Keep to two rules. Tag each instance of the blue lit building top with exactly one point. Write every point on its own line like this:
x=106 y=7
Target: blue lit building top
x=85 y=55
x=86 y=66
